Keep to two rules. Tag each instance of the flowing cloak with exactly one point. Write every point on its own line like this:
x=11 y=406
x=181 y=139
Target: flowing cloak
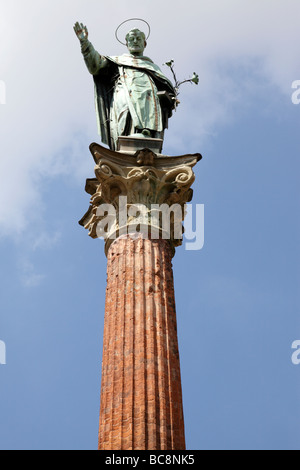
x=131 y=93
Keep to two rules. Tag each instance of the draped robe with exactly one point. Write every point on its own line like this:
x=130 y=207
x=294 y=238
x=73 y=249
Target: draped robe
x=131 y=94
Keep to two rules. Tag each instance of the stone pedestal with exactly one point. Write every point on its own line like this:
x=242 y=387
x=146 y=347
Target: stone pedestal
x=130 y=144
x=141 y=398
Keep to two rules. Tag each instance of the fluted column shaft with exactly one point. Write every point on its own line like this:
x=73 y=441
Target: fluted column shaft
x=141 y=397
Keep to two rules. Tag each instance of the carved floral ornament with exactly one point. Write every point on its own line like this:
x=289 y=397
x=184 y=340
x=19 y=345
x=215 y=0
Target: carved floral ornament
x=144 y=179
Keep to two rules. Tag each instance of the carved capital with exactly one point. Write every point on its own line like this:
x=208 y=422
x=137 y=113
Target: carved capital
x=138 y=187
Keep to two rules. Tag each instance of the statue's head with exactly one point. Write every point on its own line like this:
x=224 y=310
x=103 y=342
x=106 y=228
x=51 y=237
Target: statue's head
x=136 y=41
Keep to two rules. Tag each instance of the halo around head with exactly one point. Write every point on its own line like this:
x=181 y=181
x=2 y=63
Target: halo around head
x=127 y=21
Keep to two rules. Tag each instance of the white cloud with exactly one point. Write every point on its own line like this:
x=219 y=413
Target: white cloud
x=48 y=119
x=29 y=277
x=46 y=241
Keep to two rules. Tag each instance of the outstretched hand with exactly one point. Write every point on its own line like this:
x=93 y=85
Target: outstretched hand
x=81 y=31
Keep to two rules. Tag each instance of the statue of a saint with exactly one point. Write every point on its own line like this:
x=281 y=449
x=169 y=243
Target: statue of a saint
x=132 y=94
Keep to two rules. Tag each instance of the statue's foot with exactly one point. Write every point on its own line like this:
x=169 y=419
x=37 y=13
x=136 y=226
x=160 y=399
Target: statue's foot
x=142 y=134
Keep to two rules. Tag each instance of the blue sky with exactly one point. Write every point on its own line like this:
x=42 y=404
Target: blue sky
x=237 y=299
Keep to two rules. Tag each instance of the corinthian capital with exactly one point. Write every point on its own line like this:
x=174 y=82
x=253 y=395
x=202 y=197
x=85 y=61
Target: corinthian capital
x=141 y=192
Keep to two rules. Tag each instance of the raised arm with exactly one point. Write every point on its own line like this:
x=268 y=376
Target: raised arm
x=94 y=61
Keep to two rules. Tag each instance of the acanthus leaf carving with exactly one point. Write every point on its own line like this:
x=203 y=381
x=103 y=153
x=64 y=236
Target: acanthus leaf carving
x=144 y=179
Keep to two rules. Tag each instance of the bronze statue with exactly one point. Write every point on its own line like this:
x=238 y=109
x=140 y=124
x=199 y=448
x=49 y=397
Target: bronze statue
x=133 y=97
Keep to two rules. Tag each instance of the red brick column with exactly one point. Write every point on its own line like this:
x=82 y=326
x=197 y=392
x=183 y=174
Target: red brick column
x=141 y=398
